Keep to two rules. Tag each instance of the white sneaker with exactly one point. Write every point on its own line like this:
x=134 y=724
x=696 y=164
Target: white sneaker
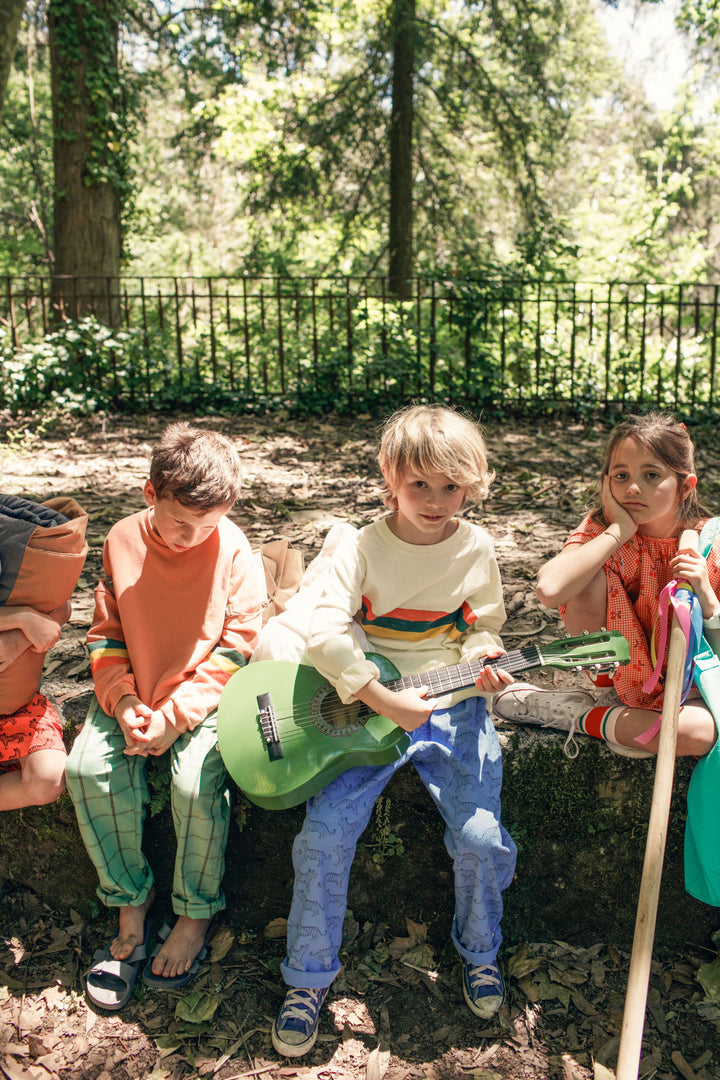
x=524 y=703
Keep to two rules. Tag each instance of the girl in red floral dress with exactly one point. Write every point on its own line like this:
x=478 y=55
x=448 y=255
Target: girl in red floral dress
x=610 y=574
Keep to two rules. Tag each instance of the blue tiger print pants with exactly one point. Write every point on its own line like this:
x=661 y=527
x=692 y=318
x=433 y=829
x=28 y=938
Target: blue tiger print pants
x=457 y=755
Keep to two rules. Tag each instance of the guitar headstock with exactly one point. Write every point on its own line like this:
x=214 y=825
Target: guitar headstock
x=605 y=650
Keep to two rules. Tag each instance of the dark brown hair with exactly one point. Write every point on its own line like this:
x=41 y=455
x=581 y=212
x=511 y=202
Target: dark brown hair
x=201 y=469
x=669 y=442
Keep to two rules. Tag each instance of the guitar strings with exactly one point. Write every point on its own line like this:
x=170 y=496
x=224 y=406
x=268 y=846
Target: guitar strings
x=307 y=714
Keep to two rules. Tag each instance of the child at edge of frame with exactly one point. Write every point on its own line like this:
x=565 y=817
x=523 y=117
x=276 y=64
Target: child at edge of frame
x=177 y=613
x=424 y=586
x=610 y=573
x=42 y=553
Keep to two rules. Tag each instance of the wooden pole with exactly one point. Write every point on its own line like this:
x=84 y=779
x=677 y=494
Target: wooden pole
x=641 y=957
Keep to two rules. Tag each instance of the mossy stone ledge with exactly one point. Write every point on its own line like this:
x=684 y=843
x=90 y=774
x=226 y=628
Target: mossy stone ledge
x=580 y=827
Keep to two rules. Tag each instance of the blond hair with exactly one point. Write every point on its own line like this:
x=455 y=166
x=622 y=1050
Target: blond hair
x=200 y=469
x=433 y=438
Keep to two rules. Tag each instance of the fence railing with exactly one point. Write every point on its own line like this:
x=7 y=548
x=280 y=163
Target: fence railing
x=346 y=342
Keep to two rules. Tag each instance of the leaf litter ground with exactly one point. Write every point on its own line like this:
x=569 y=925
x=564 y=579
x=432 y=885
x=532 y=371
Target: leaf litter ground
x=396 y=1012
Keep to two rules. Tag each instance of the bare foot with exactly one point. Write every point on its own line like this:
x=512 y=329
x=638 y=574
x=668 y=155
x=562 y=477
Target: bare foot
x=178 y=952
x=131 y=929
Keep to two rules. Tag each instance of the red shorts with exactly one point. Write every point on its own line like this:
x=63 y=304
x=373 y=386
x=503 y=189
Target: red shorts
x=36 y=726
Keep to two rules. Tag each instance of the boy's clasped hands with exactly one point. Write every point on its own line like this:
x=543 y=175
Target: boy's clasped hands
x=145 y=731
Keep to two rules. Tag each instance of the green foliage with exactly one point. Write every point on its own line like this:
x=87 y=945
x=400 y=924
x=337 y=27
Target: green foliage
x=385 y=844
x=701 y=20
x=26 y=158
x=81 y=367
x=344 y=347
x=85 y=34
x=158 y=778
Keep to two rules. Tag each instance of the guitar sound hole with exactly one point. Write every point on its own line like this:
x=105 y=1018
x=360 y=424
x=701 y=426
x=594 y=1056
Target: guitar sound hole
x=331 y=717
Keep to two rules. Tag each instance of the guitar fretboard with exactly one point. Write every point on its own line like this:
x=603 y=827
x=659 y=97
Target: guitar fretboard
x=459 y=676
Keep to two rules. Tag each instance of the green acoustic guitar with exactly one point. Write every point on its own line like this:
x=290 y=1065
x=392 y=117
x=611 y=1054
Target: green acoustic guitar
x=284 y=733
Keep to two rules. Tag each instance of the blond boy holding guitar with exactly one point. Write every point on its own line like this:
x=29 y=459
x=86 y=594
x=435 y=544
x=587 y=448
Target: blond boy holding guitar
x=424 y=586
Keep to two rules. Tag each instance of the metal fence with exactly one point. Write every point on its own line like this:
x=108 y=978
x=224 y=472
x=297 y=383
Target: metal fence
x=346 y=342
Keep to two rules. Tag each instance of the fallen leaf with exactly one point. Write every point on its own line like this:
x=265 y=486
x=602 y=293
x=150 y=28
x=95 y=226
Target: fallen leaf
x=377 y=1064
x=708 y=975
x=222 y=942
x=276 y=929
x=17 y=948
x=198 y=1007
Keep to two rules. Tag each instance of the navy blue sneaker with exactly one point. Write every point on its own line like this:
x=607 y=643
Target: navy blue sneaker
x=483 y=988
x=295 y=1030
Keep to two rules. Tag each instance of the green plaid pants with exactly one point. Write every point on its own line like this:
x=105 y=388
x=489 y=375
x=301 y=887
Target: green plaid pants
x=110 y=792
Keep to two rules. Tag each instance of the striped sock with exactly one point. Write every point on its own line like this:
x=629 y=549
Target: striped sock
x=600 y=722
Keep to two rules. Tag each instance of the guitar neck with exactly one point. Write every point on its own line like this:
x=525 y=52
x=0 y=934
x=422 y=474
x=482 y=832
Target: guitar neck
x=459 y=676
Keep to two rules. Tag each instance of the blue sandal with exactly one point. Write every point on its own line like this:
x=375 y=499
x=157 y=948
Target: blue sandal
x=176 y=982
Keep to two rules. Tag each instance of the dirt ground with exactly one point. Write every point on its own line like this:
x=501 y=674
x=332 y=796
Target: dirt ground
x=397 y=1011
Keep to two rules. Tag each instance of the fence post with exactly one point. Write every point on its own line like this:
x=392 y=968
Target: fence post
x=246 y=335
x=643 y=333
x=230 y=352
x=678 y=346
x=418 y=344
x=349 y=335
x=538 y=340
x=211 y=316
x=573 y=340
x=432 y=351
x=43 y=307
x=281 y=340
x=607 y=346
x=178 y=335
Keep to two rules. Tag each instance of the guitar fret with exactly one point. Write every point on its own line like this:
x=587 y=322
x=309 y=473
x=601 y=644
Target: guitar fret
x=460 y=676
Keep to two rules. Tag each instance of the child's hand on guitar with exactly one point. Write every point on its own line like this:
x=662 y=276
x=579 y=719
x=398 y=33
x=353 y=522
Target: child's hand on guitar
x=408 y=708
x=492 y=679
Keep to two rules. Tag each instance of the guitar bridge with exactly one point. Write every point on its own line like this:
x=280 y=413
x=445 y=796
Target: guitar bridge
x=268 y=726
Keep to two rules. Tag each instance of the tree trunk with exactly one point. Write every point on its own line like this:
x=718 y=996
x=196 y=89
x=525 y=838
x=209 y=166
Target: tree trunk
x=85 y=92
x=401 y=149
x=10 y=16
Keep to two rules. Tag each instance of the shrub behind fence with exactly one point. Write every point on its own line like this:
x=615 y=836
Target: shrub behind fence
x=344 y=344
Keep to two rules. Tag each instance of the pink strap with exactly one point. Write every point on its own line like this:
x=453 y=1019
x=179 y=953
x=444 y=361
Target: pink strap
x=667 y=598
x=663 y=608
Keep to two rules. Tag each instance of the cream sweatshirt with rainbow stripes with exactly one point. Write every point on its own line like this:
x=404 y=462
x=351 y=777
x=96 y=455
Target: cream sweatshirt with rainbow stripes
x=421 y=606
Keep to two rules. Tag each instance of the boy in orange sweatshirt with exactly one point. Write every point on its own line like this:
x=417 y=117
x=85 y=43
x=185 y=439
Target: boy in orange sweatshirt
x=179 y=610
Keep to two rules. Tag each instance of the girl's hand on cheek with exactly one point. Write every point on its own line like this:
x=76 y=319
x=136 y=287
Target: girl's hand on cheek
x=615 y=514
